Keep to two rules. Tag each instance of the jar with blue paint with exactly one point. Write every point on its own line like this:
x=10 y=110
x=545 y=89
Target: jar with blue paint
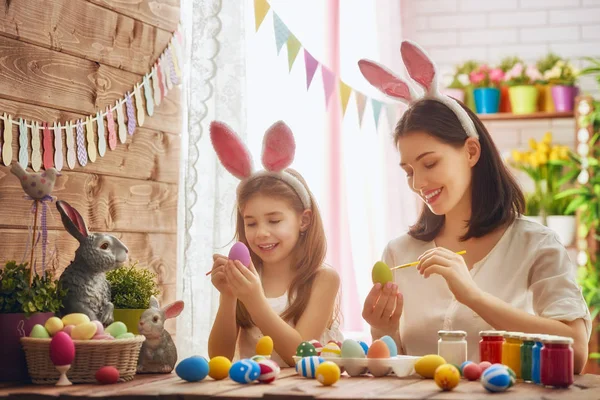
x=536 y=367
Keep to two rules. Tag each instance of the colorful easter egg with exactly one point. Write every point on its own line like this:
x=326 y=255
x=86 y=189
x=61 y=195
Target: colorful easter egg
x=39 y=332
x=328 y=373
x=305 y=349
x=378 y=349
x=264 y=346
x=426 y=365
x=512 y=375
x=472 y=371
x=391 y=344
x=100 y=327
x=116 y=329
x=484 y=365
x=244 y=371
x=336 y=342
x=351 y=349
x=331 y=349
x=68 y=329
x=462 y=366
x=84 y=331
x=53 y=325
x=126 y=335
x=219 y=367
x=364 y=346
x=192 y=369
x=62 y=349
x=495 y=379
x=318 y=346
x=240 y=252
x=103 y=336
x=269 y=371
x=107 y=375
x=307 y=366
x=381 y=273
x=258 y=358
x=446 y=376
x=75 y=319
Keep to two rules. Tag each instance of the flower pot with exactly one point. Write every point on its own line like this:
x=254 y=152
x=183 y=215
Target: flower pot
x=13 y=366
x=487 y=100
x=545 y=101
x=458 y=94
x=523 y=99
x=565 y=226
x=469 y=98
x=130 y=317
x=504 y=100
x=564 y=97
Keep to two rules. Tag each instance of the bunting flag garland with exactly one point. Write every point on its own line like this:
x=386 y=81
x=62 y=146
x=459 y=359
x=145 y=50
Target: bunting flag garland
x=361 y=103
x=261 y=8
x=47 y=148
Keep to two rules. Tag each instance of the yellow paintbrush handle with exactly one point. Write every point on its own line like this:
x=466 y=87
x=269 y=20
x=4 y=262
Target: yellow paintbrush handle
x=417 y=262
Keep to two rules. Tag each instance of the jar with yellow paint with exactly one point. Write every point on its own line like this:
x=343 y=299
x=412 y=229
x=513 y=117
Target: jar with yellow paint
x=511 y=351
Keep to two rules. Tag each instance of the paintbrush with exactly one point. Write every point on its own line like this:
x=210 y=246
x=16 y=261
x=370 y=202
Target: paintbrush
x=417 y=262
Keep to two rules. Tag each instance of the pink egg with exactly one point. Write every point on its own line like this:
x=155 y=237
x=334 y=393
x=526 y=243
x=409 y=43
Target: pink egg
x=472 y=371
x=240 y=252
x=484 y=365
x=68 y=329
x=62 y=349
x=100 y=329
x=103 y=336
x=107 y=375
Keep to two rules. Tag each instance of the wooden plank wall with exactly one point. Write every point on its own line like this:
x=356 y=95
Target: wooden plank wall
x=62 y=60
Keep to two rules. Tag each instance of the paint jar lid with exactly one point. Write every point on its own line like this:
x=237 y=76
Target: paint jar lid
x=454 y=334
x=552 y=339
x=527 y=337
x=491 y=333
x=513 y=335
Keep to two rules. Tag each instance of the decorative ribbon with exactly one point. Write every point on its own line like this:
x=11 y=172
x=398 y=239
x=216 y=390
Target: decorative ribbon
x=43 y=224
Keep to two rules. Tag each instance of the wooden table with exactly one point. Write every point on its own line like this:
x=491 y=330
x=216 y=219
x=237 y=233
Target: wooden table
x=291 y=386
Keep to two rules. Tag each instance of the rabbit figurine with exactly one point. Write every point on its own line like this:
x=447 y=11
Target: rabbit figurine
x=88 y=291
x=158 y=353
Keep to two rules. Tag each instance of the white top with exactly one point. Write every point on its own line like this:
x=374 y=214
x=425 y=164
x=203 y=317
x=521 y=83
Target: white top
x=528 y=268
x=249 y=337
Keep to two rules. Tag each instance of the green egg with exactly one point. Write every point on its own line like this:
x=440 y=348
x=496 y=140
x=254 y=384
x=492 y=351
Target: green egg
x=126 y=335
x=306 y=349
x=381 y=273
x=39 y=332
x=116 y=329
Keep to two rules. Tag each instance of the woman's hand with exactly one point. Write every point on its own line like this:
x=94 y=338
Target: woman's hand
x=453 y=269
x=218 y=276
x=383 y=308
x=244 y=282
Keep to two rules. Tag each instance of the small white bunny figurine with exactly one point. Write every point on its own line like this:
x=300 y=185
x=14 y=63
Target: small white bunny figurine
x=158 y=353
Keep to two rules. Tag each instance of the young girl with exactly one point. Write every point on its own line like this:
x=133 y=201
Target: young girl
x=515 y=275
x=286 y=293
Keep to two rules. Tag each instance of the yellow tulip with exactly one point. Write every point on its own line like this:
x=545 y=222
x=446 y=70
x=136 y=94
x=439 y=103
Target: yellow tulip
x=547 y=138
x=554 y=155
x=543 y=148
x=542 y=158
x=532 y=143
x=533 y=161
x=564 y=153
x=516 y=156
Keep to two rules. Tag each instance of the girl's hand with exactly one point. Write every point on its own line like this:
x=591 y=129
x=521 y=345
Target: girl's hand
x=245 y=282
x=383 y=308
x=218 y=276
x=453 y=269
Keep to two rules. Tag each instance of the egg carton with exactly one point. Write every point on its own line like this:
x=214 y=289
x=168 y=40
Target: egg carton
x=401 y=366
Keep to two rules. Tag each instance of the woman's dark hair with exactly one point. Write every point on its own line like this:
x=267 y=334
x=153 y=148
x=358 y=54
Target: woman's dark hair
x=496 y=198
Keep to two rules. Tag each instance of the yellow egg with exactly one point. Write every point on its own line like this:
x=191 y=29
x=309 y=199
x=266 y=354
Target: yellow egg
x=426 y=365
x=447 y=376
x=84 y=331
x=328 y=373
x=53 y=325
x=381 y=273
x=75 y=319
x=264 y=347
x=218 y=367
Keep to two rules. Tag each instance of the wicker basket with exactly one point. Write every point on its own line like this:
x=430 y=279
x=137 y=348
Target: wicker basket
x=90 y=356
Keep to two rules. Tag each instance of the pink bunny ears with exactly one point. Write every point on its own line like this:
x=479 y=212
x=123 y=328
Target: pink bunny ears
x=422 y=70
x=278 y=152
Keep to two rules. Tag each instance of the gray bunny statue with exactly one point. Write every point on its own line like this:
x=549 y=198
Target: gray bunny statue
x=88 y=291
x=158 y=353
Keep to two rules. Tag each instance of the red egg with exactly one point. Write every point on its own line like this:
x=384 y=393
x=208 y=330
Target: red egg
x=107 y=375
x=240 y=252
x=62 y=349
x=378 y=350
x=472 y=371
x=484 y=365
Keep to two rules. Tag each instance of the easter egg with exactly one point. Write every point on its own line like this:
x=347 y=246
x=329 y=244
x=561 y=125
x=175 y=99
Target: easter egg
x=53 y=325
x=244 y=371
x=484 y=365
x=39 y=332
x=336 y=342
x=472 y=371
x=100 y=327
x=351 y=349
x=512 y=375
x=192 y=369
x=378 y=349
x=116 y=329
x=218 y=367
x=258 y=358
x=318 y=346
x=495 y=379
x=308 y=365
x=68 y=329
x=381 y=273
x=84 y=331
x=62 y=349
x=240 y=252
x=103 y=336
x=107 y=375
x=426 y=365
x=331 y=349
x=264 y=346
x=462 y=366
x=305 y=349
x=364 y=346
x=391 y=344
x=328 y=373
x=75 y=319
x=269 y=371
x=126 y=335
x=446 y=376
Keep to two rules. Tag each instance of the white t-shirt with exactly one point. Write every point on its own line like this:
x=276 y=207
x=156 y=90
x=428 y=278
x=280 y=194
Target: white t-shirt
x=528 y=268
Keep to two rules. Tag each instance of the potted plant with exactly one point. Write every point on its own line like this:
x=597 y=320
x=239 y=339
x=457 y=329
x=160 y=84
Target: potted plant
x=464 y=70
x=131 y=289
x=456 y=86
x=486 y=82
x=563 y=76
x=506 y=65
x=22 y=306
x=544 y=64
x=533 y=207
x=522 y=92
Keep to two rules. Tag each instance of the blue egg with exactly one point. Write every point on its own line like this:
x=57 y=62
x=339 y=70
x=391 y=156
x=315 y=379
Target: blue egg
x=307 y=366
x=364 y=346
x=192 y=369
x=391 y=345
x=244 y=371
x=496 y=379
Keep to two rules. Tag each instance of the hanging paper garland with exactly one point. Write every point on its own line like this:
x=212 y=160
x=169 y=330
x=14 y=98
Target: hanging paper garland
x=148 y=96
x=23 y=146
x=81 y=152
x=130 y=115
x=48 y=157
x=121 y=122
x=71 y=153
x=101 y=135
x=58 y=148
x=112 y=136
x=91 y=144
x=36 y=155
x=156 y=86
x=139 y=106
x=7 y=146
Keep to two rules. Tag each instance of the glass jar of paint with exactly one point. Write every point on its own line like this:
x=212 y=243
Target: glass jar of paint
x=511 y=351
x=557 y=361
x=490 y=346
x=527 y=356
x=452 y=346
x=535 y=360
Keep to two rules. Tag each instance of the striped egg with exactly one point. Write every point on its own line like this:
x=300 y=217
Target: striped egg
x=331 y=349
x=318 y=346
x=269 y=371
x=495 y=379
x=244 y=371
x=307 y=366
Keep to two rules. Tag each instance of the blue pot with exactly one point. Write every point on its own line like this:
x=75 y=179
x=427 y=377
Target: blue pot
x=487 y=100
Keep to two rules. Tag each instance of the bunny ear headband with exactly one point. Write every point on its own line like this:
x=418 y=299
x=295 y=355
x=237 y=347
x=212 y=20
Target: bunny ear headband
x=278 y=152
x=422 y=70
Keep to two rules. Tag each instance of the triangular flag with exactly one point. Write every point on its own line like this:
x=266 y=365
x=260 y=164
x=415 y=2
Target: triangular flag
x=361 y=102
x=293 y=47
x=311 y=67
x=281 y=32
x=328 y=83
x=391 y=110
x=261 y=8
x=345 y=92
x=376 y=110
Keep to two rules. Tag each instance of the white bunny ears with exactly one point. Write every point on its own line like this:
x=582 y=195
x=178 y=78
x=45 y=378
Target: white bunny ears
x=278 y=152
x=422 y=70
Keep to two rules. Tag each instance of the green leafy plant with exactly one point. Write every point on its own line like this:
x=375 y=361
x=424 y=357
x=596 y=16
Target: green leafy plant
x=533 y=205
x=592 y=69
x=131 y=287
x=16 y=296
x=508 y=62
x=547 y=62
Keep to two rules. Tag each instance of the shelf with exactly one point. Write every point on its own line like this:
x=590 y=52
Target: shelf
x=537 y=115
